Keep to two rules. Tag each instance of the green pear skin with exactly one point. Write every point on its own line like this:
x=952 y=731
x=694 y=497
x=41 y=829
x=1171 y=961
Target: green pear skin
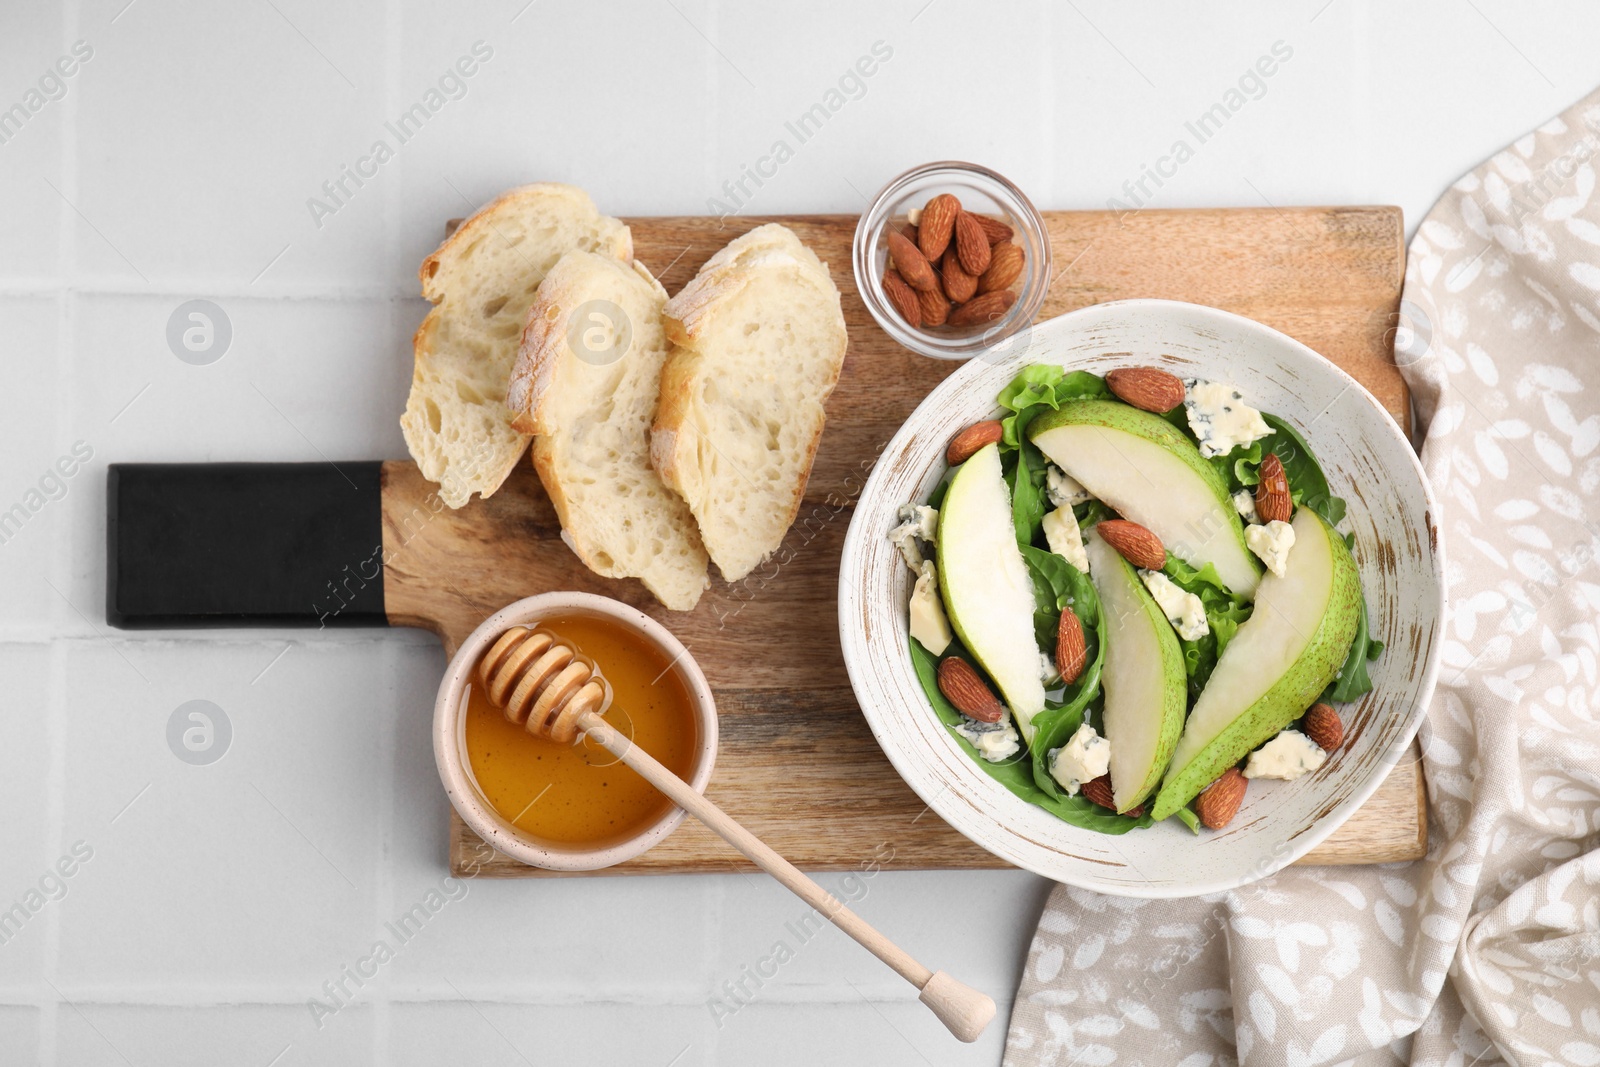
x=1278 y=663
x=1143 y=678
x=987 y=589
x=1147 y=471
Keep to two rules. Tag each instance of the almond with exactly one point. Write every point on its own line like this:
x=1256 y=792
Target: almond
x=903 y=297
x=1273 y=502
x=1219 y=802
x=1071 y=655
x=912 y=265
x=968 y=441
x=995 y=230
x=911 y=231
x=1099 y=792
x=958 y=284
x=972 y=244
x=960 y=684
x=935 y=308
x=1137 y=545
x=1005 y=266
x=983 y=308
x=937 y=222
x=1146 y=388
x=1322 y=725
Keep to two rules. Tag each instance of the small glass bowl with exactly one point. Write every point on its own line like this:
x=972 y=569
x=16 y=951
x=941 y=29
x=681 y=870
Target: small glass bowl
x=982 y=192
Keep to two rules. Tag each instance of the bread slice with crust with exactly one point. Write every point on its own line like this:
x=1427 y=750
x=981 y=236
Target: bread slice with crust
x=585 y=385
x=481 y=281
x=759 y=341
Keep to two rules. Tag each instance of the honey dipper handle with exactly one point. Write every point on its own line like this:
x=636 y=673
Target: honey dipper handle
x=964 y=1010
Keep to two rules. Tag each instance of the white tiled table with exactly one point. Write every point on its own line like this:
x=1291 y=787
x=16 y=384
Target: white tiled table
x=178 y=164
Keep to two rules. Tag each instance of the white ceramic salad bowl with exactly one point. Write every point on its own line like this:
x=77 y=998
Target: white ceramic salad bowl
x=1367 y=460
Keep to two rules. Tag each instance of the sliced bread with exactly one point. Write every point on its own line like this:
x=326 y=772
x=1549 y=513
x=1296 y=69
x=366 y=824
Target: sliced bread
x=585 y=384
x=759 y=340
x=481 y=282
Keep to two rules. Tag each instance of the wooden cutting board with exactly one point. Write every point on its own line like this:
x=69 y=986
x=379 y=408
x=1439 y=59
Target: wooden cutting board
x=797 y=764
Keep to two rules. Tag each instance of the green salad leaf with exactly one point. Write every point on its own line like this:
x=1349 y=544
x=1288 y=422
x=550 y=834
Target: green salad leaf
x=1353 y=681
x=1224 y=613
x=1043 y=386
x=1026 y=479
x=1035 y=390
x=1308 y=486
x=1059 y=583
x=1091 y=512
x=1016 y=774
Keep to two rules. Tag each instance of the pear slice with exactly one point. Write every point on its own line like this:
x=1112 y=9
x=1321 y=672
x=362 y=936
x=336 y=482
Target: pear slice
x=988 y=593
x=1144 y=679
x=1283 y=656
x=1147 y=471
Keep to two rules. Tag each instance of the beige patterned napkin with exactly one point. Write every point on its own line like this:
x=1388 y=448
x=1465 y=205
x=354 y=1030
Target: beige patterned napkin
x=1488 y=950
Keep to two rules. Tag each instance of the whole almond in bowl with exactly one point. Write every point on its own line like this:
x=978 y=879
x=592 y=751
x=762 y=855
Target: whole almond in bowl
x=1005 y=266
x=1147 y=388
x=1322 y=725
x=1071 y=653
x=912 y=264
x=1219 y=802
x=1273 y=500
x=972 y=697
x=1135 y=543
x=972 y=244
x=935 y=306
x=903 y=297
x=968 y=441
x=994 y=229
x=985 y=307
x=959 y=286
x=937 y=223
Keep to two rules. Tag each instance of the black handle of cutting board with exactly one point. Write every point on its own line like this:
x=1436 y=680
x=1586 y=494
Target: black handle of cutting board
x=244 y=544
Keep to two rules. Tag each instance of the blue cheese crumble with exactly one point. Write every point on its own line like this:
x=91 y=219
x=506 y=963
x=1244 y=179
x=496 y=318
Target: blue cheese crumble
x=928 y=623
x=995 y=741
x=1061 y=533
x=1063 y=489
x=1183 y=609
x=1287 y=756
x=1220 y=418
x=1082 y=759
x=918 y=522
x=1244 y=502
x=1272 y=543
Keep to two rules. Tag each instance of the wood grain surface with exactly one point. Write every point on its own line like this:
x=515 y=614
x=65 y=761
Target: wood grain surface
x=797 y=764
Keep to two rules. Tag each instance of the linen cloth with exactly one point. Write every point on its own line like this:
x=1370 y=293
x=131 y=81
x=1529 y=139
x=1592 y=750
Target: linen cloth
x=1488 y=950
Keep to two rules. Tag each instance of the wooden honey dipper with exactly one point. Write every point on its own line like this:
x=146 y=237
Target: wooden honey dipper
x=545 y=685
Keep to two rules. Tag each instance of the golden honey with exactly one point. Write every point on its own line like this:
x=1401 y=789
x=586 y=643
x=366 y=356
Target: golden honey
x=579 y=793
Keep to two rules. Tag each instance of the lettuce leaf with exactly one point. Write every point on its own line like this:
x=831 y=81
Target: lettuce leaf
x=1224 y=613
x=1039 y=387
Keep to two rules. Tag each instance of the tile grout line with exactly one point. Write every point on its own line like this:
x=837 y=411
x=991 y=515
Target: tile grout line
x=391 y=651
x=56 y=799
x=262 y=292
x=56 y=820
